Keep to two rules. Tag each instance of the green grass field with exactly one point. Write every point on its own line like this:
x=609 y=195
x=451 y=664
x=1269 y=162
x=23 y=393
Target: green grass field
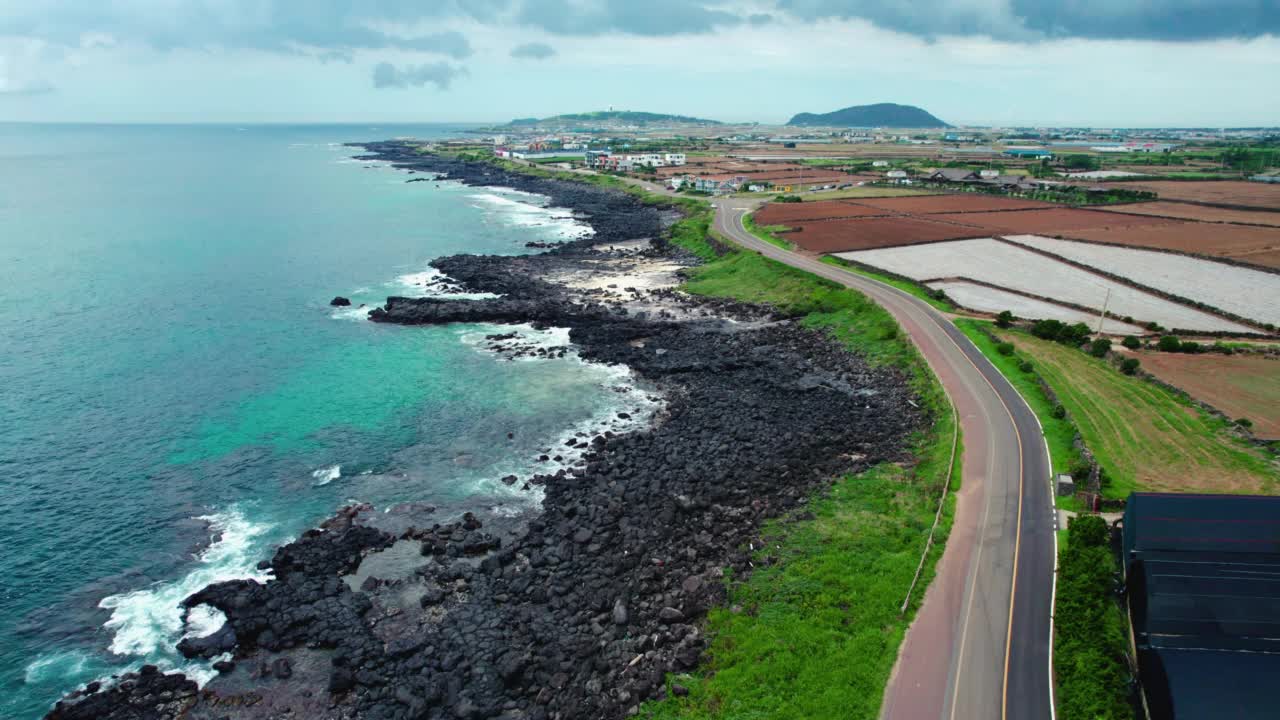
x=861 y=192
x=1146 y=437
x=768 y=233
x=815 y=633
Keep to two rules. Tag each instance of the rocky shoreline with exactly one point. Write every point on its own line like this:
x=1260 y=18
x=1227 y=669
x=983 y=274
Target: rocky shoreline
x=583 y=609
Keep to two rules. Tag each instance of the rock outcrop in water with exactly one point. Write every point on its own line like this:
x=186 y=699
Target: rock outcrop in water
x=581 y=611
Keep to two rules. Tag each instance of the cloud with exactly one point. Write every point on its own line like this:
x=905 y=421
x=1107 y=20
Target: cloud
x=533 y=51
x=441 y=74
x=633 y=17
x=1034 y=20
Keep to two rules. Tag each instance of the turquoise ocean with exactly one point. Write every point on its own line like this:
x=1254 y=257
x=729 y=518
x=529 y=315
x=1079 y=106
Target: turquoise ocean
x=177 y=397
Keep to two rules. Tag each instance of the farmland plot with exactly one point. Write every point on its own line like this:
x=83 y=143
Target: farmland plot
x=1056 y=221
x=1241 y=193
x=1020 y=269
x=992 y=300
x=789 y=213
x=1252 y=294
x=1251 y=244
x=958 y=203
x=1202 y=213
x=830 y=235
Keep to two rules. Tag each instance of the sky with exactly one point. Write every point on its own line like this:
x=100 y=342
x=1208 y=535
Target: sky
x=1100 y=63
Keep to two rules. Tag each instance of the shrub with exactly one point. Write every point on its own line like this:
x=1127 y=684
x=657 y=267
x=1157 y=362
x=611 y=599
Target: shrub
x=1005 y=348
x=1088 y=530
x=1129 y=366
x=1100 y=347
x=1080 y=469
x=1244 y=422
x=1154 y=326
x=1004 y=319
x=1059 y=412
x=1026 y=366
x=1191 y=347
x=1169 y=343
x=1131 y=342
x=1128 y=319
x=1221 y=347
x=788 y=199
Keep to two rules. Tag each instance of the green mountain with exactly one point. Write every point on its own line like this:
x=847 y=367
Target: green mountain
x=878 y=115
x=620 y=116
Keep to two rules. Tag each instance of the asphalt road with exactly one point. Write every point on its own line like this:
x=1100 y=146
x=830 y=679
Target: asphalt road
x=979 y=647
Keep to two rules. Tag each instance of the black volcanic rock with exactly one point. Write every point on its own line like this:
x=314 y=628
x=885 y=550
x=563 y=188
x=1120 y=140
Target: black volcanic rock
x=887 y=115
x=339 y=301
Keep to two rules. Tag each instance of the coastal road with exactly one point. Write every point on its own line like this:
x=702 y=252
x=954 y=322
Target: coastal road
x=980 y=645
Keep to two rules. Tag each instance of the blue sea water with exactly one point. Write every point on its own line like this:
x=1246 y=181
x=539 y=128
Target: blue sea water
x=177 y=397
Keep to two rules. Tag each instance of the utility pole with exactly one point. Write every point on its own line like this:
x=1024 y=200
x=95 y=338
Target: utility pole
x=1105 y=303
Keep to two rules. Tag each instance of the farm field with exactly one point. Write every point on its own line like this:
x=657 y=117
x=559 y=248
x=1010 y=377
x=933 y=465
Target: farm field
x=786 y=213
x=1201 y=213
x=864 y=192
x=993 y=300
x=1254 y=245
x=1252 y=294
x=1242 y=386
x=957 y=203
x=826 y=236
x=1146 y=437
x=1223 y=192
x=1055 y=221
x=1009 y=266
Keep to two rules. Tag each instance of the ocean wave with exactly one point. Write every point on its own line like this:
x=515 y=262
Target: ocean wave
x=149 y=622
x=326 y=475
x=435 y=284
x=554 y=222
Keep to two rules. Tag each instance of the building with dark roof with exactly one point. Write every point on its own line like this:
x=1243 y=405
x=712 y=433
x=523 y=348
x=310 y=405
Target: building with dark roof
x=1202 y=576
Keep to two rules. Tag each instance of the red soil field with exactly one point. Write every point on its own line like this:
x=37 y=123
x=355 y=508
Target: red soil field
x=790 y=213
x=1246 y=243
x=826 y=236
x=1265 y=196
x=1055 y=221
x=968 y=202
x=1238 y=385
x=1202 y=213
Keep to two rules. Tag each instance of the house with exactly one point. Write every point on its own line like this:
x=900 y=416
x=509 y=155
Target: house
x=718 y=184
x=988 y=173
x=896 y=174
x=957 y=175
x=1029 y=153
x=674 y=159
x=675 y=183
x=880 y=163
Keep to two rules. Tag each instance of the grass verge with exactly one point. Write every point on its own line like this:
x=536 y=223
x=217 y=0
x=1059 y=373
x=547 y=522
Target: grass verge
x=815 y=630
x=768 y=233
x=1090 y=630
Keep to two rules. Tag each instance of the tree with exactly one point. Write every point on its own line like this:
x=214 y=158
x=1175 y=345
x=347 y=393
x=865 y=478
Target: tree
x=1100 y=347
x=1131 y=342
x=1004 y=319
x=1169 y=343
x=1005 y=348
x=1129 y=366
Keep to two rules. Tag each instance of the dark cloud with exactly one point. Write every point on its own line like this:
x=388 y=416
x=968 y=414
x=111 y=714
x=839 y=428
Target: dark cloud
x=1031 y=20
x=441 y=74
x=533 y=51
x=633 y=17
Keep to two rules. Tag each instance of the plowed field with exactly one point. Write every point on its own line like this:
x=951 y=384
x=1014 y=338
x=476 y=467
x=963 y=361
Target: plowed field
x=826 y=236
x=1223 y=192
x=968 y=202
x=1255 y=245
x=790 y=213
x=1239 y=385
x=1050 y=222
x=1202 y=213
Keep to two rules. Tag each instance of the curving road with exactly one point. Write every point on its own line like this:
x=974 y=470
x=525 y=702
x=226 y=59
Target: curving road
x=979 y=648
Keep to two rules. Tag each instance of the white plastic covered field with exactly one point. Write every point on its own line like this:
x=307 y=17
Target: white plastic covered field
x=987 y=299
x=1252 y=294
x=1017 y=268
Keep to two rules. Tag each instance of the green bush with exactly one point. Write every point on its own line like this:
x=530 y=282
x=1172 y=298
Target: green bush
x=1191 y=347
x=1244 y=422
x=1005 y=348
x=1154 y=326
x=1059 y=412
x=1131 y=342
x=1004 y=319
x=788 y=199
x=1059 y=331
x=1090 y=637
x=1221 y=347
x=1100 y=347
x=1169 y=343
x=1129 y=366
x=1026 y=366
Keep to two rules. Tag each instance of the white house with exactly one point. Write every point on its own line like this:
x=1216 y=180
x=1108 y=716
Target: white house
x=880 y=163
x=896 y=174
x=674 y=159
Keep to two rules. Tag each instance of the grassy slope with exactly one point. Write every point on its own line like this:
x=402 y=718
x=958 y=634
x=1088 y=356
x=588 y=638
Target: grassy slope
x=815 y=633
x=768 y=233
x=1146 y=437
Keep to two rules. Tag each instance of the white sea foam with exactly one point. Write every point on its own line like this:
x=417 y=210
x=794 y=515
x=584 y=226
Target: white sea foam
x=527 y=210
x=56 y=666
x=326 y=475
x=355 y=311
x=433 y=283
x=149 y=621
x=204 y=620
